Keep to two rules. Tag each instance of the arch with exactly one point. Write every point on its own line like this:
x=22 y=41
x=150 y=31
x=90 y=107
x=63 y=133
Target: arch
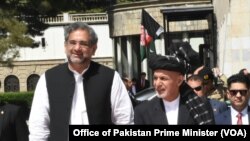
x=11 y=84
x=32 y=81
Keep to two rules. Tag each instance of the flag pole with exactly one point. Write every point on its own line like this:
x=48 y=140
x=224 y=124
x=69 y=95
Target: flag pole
x=149 y=71
x=147 y=46
x=147 y=55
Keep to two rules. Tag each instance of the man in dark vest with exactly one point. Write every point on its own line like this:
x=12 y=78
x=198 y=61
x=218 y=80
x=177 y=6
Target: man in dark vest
x=78 y=92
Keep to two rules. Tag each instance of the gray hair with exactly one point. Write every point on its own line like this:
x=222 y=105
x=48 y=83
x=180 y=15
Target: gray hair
x=80 y=25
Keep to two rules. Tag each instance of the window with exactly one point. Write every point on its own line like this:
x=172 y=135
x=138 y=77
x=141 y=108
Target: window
x=32 y=81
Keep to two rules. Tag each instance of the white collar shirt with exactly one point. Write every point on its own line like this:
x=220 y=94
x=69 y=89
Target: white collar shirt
x=79 y=113
x=244 y=113
x=172 y=110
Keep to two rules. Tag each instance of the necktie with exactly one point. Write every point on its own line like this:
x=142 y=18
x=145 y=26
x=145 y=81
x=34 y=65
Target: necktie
x=239 y=119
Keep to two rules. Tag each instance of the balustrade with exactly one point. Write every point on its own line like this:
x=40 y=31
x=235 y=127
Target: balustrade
x=68 y=18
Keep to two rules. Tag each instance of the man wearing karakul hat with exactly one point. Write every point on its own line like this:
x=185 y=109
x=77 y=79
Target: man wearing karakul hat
x=176 y=103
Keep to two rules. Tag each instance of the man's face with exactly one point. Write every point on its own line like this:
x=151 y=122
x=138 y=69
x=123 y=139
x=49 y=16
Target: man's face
x=238 y=95
x=78 y=48
x=196 y=85
x=129 y=84
x=167 y=83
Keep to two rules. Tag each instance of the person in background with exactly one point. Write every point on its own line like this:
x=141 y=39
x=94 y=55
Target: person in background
x=221 y=79
x=238 y=94
x=211 y=90
x=175 y=103
x=13 y=126
x=142 y=83
x=79 y=91
x=134 y=88
x=195 y=82
x=244 y=71
x=220 y=82
x=128 y=84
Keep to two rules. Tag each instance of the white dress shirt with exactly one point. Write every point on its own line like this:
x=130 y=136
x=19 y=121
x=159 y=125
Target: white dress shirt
x=172 y=110
x=134 y=89
x=79 y=113
x=234 y=118
x=39 y=120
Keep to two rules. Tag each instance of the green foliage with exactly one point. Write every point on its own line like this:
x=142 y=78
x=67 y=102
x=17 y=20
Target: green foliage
x=128 y=1
x=19 y=21
x=122 y=1
x=95 y=10
x=80 y=6
x=22 y=99
x=15 y=36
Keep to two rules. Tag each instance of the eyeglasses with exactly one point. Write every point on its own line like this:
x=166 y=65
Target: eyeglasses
x=234 y=92
x=197 y=88
x=82 y=44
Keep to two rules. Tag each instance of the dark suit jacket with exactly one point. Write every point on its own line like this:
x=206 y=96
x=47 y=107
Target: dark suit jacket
x=224 y=118
x=13 y=125
x=153 y=112
x=140 y=88
x=218 y=106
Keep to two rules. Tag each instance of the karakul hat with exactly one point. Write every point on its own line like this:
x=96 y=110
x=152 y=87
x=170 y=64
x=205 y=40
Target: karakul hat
x=171 y=63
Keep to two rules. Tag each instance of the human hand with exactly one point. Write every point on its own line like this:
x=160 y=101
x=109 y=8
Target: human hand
x=216 y=72
x=198 y=69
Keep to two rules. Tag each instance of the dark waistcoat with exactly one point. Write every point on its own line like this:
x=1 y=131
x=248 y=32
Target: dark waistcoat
x=97 y=84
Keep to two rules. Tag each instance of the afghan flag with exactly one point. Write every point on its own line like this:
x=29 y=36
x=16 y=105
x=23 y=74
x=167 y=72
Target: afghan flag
x=150 y=30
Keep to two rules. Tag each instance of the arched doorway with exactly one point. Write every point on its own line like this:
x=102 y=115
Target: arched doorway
x=11 y=84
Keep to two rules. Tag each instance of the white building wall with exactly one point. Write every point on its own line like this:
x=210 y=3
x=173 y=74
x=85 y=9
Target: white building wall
x=233 y=35
x=104 y=46
x=54 y=49
x=54 y=46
